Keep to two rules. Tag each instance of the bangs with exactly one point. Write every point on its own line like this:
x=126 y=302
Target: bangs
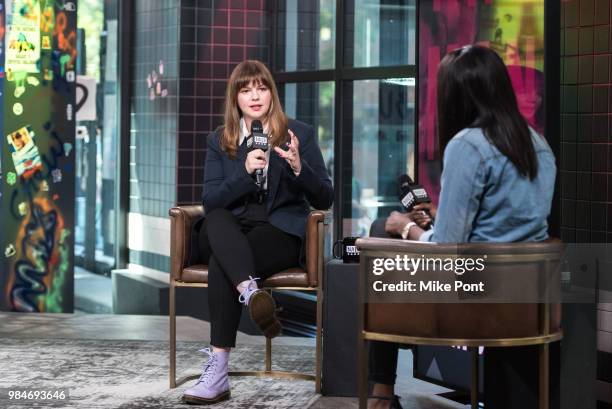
x=247 y=72
x=251 y=75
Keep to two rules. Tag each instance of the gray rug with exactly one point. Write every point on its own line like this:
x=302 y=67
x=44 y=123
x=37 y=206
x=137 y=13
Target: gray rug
x=134 y=374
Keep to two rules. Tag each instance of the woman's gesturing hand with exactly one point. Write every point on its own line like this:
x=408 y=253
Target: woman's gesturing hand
x=256 y=159
x=292 y=155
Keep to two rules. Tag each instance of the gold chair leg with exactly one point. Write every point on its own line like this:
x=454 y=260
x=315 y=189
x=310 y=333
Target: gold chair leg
x=362 y=371
x=544 y=387
x=474 y=372
x=172 y=318
x=268 y=358
x=268 y=354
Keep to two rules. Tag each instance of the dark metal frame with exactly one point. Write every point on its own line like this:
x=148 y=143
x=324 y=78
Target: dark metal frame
x=339 y=75
x=552 y=99
x=122 y=189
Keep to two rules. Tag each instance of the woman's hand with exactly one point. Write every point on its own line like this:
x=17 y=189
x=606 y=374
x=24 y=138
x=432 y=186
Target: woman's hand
x=292 y=155
x=396 y=222
x=256 y=159
x=420 y=216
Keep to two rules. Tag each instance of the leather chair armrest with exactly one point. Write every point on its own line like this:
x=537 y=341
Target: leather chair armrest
x=182 y=219
x=315 y=243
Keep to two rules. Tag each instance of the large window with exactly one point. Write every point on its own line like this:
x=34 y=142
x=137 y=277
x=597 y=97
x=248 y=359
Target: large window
x=349 y=68
x=305 y=35
x=96 y=135
x=313 y=103
x=383 y=148
x=384 y=33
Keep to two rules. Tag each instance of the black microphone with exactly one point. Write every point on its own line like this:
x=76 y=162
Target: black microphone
x=411 y=194
x=258 y=140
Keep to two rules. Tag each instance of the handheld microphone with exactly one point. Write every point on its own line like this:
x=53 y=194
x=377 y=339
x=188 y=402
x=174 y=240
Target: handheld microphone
x=258 y=140
x=411 y=194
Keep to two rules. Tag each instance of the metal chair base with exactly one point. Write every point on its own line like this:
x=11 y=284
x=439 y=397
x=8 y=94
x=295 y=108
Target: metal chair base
x=543 y=342
x=268 y=372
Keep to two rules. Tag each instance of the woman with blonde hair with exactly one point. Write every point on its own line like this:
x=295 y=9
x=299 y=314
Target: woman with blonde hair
x=256 y=205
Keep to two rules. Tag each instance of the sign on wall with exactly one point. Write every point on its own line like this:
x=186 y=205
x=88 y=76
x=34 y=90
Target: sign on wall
x=23 y=37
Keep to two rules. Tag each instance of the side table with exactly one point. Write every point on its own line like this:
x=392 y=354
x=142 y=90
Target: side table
x=339 y=376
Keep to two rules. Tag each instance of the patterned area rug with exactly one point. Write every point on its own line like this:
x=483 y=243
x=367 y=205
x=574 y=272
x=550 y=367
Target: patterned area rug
x=134 y=374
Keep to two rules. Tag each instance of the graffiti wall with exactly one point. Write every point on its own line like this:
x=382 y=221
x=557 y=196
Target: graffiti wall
x=36 y=156
x=515 y=29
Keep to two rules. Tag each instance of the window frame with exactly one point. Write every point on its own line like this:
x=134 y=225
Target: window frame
x=340 y=75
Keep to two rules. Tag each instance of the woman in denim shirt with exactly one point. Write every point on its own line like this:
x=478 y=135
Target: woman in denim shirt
x=497 y=182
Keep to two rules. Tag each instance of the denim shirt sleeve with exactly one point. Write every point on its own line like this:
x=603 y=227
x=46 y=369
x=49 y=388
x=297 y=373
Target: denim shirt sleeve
x=462 y=187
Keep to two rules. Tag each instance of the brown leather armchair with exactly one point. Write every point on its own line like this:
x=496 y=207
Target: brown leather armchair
x=468 y=324
x=182 y=274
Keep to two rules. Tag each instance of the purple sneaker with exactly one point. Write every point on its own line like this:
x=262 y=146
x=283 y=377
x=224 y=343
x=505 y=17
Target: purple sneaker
x=213 y=385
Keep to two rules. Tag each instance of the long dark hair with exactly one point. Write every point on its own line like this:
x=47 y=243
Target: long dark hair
x=475 y=91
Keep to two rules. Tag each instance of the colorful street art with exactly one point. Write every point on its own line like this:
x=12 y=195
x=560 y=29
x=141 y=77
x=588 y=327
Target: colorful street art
x=37 y=195
x=26 y=157
x=515 y=29
x=43 y=260
x=23 y=50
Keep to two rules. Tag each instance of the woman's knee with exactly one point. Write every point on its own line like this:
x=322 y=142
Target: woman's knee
x=214 y=269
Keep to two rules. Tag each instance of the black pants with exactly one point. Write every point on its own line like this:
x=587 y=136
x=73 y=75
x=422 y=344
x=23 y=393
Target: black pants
x=234 y=250
x=382 y=366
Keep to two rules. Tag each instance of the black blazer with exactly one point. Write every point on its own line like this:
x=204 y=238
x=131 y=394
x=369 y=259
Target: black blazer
x=227 y=183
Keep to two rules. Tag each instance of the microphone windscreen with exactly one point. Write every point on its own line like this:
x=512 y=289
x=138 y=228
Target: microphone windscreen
x=256 y=126
x=403 y=182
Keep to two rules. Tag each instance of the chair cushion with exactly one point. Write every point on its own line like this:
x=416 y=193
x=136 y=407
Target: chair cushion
x=292 y=277
x=195 y=274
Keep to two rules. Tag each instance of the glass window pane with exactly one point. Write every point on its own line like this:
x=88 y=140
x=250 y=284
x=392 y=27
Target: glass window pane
x=96 y=137
x=383 y=148
x=313 y=103
x=305 y=35
x=383 y=33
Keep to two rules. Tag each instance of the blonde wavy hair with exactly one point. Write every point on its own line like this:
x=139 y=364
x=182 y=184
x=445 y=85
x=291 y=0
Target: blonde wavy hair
x=244 y=74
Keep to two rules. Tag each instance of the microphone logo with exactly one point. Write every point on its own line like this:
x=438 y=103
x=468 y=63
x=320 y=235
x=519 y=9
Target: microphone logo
x=420 y=193
x=260 y=142
x=408 y=200
x=411 y=193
